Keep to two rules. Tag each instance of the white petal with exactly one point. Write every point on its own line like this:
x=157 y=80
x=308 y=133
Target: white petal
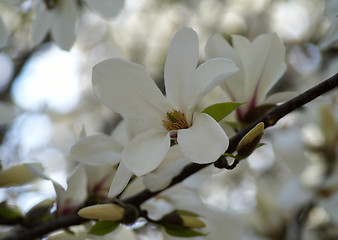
x=172 y=165
x=264 y=71
x=120 y=181
x=42 y=24
x=281 y=97
x=77 y=185
x=207 y=76
x=241 y=45
x=180 y=64
x=63 y=26
x=97 y=150
x=217 y=47
x=127 y=88
x=204 y=141
x=107 y=8
x=4 y=34
x=146 y=151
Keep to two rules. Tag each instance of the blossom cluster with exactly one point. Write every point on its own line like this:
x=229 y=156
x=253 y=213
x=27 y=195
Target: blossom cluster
x=161 y=132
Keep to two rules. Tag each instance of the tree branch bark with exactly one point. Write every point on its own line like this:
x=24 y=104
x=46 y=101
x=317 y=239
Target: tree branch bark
x=269 y=120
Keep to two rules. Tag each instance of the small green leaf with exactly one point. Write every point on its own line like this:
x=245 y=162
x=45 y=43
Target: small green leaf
x=187 y=213
x=220 y=110
x=179 y=231
x=103 y=227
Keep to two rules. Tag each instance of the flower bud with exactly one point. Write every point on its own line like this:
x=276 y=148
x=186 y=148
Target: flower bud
x=249 y=142
x=108 y=211
x=192 y=222
x=182 y=219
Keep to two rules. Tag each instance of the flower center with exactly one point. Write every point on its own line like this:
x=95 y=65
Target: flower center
x=175 y=120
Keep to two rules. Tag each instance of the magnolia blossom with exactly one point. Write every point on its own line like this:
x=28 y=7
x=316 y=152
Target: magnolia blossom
x=261 y=65
x=70 y=199
x=59 y=20
x=59 y=17
x=4 y=34
x=220 y=224
x=128 y=89
x=331 y=36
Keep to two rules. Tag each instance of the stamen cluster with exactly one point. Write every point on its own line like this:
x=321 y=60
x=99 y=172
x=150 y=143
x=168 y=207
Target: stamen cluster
x=176 y=120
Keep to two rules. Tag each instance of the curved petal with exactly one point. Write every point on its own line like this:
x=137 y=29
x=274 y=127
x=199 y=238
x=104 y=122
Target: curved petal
x=42 y=24
x=127 y=88
x=107 y=8
x=281 y=97
x=77 y=185
x=172 y=165
x=265 y=71
x=241 y=45
x=204 y=141
x=63 y=28
x=207 y=76
x=217 y=47
x=180 y=64
x=4 y=34
x=120 y=181
x=97 y=150
x=146 y=151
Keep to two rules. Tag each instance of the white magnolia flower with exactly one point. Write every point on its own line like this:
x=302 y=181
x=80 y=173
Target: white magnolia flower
x=331 y=36
x=220 y=224
x=71 y=199
x=4 y=34
x=128 y=89
x=59 y=19
x=261 y=65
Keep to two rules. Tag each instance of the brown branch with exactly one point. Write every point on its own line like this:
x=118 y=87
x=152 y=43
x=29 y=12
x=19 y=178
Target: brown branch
x=269 y=120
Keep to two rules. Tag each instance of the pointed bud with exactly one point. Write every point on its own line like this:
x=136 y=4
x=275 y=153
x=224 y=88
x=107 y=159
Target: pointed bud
x=249 y=142
x=109 y=212
x=192 y=222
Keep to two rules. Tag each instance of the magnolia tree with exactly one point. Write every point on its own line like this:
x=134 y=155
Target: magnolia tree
x=183 y=149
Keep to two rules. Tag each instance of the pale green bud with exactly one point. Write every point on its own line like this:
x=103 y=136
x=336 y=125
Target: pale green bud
x=108 y=212
x=249 y=142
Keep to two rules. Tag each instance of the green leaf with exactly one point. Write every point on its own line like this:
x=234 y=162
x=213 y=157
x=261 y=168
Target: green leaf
x=103 y=227
x=179 y=231
x=220 y=110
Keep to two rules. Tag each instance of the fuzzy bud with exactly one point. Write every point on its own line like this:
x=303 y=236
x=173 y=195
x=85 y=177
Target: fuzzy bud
x=192 y=222
x=249 y=142
x=108 y=211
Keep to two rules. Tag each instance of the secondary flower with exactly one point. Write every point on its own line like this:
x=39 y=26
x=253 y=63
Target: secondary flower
x=58 y=18
x=128 y=89
x=261 y=65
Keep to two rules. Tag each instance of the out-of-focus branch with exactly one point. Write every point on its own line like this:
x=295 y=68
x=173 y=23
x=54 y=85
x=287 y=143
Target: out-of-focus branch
x=269 y=120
